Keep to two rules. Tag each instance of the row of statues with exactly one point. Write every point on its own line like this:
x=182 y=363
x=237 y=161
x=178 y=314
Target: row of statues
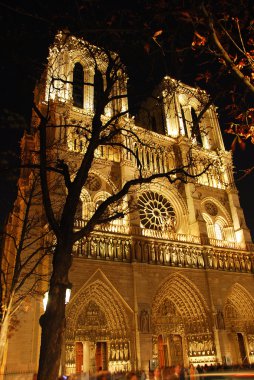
x=199 y=346
x=119 y=351
x=229 y=261
x=102 y=248
x=121 y=249
x=70 y=355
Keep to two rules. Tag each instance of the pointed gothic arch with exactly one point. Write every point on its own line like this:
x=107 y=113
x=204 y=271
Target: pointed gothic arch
x=100 y=295
x=189 y=303
x=220 y=206
x=239 y=322
x=218 y=220
x=239 y=303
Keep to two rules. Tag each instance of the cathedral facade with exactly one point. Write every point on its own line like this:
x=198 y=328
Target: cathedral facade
x=172 y=280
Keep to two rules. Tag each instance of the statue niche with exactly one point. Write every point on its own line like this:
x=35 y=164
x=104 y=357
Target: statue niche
x=144 y=321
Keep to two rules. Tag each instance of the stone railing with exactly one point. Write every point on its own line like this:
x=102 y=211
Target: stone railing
x=138 y=231
x=161 y=252
x=224 y=244
x=166 y=235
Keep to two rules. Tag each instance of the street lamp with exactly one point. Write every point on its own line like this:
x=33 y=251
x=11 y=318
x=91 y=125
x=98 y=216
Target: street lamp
x=46 y=297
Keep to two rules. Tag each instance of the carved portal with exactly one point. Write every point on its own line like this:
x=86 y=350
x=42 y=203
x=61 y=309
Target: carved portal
x=181 y=317
x=97 y=318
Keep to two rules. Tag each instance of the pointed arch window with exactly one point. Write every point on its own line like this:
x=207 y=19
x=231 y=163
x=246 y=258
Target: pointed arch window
x=195 y=127
x=184 y=121
x=98 y=88
x=218 y=230
x=78 y=85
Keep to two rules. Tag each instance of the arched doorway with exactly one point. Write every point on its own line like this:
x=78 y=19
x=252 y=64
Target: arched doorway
x=181 y=324
x=239 y=326
x=98 y=329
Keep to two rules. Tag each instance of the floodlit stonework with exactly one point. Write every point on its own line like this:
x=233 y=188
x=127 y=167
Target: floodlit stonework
x=171 y=281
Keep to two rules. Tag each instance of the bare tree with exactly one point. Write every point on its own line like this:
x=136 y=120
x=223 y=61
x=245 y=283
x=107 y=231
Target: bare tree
x=23 y=250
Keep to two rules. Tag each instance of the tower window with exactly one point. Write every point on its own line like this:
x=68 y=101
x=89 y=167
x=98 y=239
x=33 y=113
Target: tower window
x=78 y=86
x=195 y=127
x=184 y=121
x=98 y=88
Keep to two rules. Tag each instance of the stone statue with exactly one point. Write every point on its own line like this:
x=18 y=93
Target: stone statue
x=93 y=248
x=137 y=254
x=102 y=247
x=126 y=351
x=188 y=257
x=113 y=352
x=167 y=254
x=126 y=250
x=220 y=320
x=174 y=256
x=110 y=248
x=201 y=263
x=144 y=321
x=117 y=351
x=121 y=351
x=181 y=257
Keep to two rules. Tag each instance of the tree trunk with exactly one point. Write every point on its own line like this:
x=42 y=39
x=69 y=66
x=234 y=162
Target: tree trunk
x=53 y=320
x=3 y=339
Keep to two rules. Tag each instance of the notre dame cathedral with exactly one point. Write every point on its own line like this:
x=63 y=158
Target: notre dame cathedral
x=171 y=281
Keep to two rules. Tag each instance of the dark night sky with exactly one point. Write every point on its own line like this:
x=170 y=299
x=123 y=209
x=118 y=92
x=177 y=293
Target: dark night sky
x=24 y=45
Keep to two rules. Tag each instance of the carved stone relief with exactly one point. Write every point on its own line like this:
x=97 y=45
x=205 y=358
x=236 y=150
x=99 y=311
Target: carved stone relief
x=123 y=249
x=201 y=345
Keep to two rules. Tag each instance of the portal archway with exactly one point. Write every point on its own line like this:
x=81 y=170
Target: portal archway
x=239 y=324
x=180 y=317
x=99 y=320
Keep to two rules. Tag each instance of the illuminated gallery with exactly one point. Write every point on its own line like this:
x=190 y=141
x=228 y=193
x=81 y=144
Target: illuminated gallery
x=172 y=280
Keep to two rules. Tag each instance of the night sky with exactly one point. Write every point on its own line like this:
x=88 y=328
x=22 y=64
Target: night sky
x=27 y=29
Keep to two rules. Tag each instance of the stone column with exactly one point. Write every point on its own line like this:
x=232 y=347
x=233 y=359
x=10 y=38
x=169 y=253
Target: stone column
x=86 y=357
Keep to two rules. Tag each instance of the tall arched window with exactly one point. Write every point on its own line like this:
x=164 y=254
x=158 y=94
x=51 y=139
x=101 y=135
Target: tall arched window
x=218 y=231
x=195 y=127
x=78 y=86
x=98 y=88
x=184 y=121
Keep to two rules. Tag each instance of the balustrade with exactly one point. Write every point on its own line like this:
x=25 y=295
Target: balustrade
x=161 y=252
x=165 y=235
x=226 y=244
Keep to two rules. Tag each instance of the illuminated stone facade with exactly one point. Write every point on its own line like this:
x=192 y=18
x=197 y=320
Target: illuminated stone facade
x=172 y=281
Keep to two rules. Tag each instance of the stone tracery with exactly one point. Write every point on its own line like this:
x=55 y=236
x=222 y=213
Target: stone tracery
x=156 y=212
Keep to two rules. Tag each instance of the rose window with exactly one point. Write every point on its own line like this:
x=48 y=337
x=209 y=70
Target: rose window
x=211 y=208
x=156 y=212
